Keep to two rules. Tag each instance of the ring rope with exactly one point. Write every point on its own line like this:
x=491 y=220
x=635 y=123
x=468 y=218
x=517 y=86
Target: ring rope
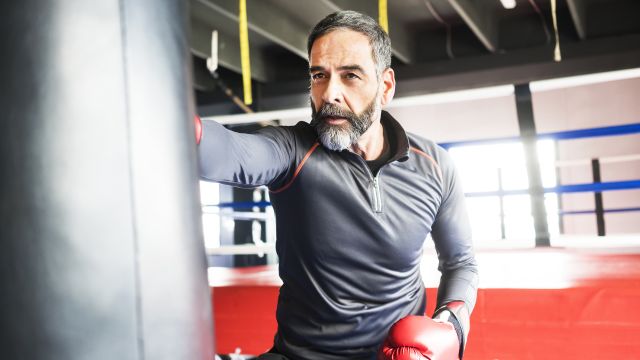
x=616 y=130
x=602 y=160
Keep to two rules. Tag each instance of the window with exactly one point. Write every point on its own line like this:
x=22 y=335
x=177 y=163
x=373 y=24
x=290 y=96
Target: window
x=486 y=170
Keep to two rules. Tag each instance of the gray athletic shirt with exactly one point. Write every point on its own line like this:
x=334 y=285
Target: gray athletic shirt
x=349 y=242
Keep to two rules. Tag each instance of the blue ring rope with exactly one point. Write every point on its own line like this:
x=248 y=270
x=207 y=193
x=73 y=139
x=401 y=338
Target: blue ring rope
x=586 y=212
x=594 y=187
x=240 y=204
x=616 y=130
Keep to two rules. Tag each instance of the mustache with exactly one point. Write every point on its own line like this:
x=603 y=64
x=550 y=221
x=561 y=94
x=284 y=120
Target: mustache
x=334 y=111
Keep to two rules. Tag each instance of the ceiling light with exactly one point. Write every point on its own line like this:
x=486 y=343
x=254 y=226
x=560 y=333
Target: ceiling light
x=508 y=4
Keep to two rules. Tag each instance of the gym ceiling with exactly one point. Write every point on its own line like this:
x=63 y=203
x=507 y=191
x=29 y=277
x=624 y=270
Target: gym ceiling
x=438 y=45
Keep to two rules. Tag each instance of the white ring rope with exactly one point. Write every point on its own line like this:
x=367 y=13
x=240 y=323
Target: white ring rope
x=239 y=215
x=603 y=160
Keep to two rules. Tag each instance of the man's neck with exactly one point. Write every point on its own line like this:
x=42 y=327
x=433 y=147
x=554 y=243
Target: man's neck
x=372 y=143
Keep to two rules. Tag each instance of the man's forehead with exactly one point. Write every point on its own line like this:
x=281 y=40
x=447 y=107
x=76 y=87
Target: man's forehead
x=345 y=46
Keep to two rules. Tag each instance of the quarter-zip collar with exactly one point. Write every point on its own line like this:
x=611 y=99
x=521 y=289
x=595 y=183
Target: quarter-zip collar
x=398 y=140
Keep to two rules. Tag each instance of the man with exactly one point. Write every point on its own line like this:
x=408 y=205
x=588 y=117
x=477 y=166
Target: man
x=355 y=196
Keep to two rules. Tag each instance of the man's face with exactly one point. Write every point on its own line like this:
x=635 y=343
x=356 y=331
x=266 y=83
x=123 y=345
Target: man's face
x=345 y=89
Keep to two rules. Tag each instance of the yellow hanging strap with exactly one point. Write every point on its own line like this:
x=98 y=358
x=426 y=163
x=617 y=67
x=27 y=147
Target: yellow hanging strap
x=556 y=52
x=244 y=52
x=382 y=15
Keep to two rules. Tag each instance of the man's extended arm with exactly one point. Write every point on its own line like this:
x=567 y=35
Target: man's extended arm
x=261 y=158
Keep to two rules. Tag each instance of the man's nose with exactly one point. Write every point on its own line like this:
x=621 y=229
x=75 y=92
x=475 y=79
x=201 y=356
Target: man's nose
x=333 y=91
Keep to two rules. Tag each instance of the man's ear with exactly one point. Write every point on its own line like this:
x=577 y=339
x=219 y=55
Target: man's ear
x=388 y=86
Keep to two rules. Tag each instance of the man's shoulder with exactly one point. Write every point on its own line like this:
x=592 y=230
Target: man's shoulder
x=428 y=146
x=299 y=132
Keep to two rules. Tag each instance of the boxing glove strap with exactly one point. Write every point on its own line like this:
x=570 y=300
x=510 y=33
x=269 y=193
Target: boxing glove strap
x=457 y=314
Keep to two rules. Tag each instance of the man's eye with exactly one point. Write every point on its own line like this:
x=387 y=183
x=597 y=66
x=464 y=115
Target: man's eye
x=317 y=76
x=351 y=76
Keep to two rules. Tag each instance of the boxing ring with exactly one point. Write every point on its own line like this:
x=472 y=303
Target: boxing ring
x=552 y=303
x=575 y=299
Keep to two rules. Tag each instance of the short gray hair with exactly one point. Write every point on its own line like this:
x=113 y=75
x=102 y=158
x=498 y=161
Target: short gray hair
x=378 y=38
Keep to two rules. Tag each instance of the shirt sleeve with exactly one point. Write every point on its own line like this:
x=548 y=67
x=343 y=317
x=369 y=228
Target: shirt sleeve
x=451 y=234
x=245 y=160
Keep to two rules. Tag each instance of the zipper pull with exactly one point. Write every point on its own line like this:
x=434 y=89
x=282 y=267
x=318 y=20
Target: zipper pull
x=377 y=197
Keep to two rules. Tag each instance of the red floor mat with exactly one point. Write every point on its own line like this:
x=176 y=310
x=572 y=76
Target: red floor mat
x=532 y=304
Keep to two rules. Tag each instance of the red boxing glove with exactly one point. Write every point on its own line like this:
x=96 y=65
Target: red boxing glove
x=198 y=126
x=420 y=338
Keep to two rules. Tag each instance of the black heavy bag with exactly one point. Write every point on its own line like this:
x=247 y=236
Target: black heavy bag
x=101 y=252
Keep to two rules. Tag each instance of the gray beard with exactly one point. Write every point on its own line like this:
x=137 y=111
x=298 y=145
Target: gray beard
x=341 y=137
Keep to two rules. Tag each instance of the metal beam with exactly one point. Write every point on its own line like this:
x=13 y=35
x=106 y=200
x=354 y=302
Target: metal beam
x=266 y=21
x=228 y=50
x=480 y=17
x=577 y=8
x=331 y=6
x=401 y=42
x=523 y=66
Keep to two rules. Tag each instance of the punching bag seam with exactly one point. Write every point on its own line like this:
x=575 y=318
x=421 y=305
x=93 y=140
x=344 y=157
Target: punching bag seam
x=136 y=250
